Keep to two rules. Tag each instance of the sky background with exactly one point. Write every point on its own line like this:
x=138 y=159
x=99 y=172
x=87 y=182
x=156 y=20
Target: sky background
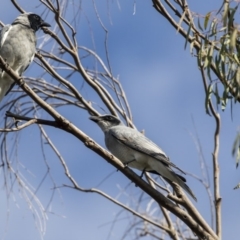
x=165 y=92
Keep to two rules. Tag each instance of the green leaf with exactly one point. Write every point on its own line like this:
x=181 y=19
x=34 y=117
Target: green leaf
x=225 y=13
x=217 y=94
x=235 y=145
x=231 y=13
x=222 y=29
x=207 y=99
x=220 y=9
x=206 y=62
x=223 y=67
x=209 y=71
x=238 y=76
x=188 y=32
x=237 y=157
x=217 y=63
x=180 y=21
x=236 y=187
x=236 y=58
x=225 y=98
x=199 y=25
x=236 y=149
x=206 y=19
x=214 y=26
x=233 y=38
x=192 y=46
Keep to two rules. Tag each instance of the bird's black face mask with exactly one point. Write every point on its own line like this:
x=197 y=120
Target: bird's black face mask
x=36 y=22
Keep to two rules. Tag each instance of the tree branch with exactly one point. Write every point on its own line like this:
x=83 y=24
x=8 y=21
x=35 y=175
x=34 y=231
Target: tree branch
x=216 y=172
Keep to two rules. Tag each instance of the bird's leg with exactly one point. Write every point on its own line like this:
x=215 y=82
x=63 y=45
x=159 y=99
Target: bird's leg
x=126 y=163
x=143 y=171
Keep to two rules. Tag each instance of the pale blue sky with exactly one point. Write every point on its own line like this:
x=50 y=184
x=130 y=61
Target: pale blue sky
x=165 y=92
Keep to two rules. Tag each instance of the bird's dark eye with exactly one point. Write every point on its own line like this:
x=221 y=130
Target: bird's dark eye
x=36 y=17
x=109 y=118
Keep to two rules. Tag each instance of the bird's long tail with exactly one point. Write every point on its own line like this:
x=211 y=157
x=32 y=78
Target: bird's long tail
x=187 y=189
x=181 y=182
x=170 y=176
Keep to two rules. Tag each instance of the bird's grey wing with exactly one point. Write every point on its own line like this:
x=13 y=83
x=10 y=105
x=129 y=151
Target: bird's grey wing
x=139 y=142
x=30 y=61
x=181 y=177
x=3 y=34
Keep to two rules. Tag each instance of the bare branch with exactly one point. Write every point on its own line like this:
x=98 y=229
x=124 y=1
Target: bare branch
x=17 y=6
x=216 y=172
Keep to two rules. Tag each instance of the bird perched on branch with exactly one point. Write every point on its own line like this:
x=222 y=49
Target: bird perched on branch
x=18 y=47
x=137 y=151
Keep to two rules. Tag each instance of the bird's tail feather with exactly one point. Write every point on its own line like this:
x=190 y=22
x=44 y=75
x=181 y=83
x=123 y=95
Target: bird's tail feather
x=187 y=189
x=181 y=182
x=171 y=176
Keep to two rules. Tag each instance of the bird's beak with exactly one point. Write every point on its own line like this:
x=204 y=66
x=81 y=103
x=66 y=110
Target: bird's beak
x=45 y=24
x=95 y=118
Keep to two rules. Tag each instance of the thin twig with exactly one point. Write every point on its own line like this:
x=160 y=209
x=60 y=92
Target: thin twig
x=216 y=171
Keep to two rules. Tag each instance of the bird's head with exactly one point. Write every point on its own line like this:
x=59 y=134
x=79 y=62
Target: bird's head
x=31 y=20
x=106 y=121
x=36 y=22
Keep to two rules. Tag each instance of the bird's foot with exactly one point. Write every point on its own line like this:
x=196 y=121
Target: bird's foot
x=143 y=171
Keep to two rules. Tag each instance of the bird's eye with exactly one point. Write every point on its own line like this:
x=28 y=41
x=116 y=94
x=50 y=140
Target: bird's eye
x=109 y=118
x=36 y=17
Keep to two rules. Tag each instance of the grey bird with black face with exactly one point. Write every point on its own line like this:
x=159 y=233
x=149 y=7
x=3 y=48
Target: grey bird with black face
x=18 y=46
x=137 y=151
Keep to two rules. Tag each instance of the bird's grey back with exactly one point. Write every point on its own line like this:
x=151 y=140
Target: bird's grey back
x=134 y=139
x=130 y=139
